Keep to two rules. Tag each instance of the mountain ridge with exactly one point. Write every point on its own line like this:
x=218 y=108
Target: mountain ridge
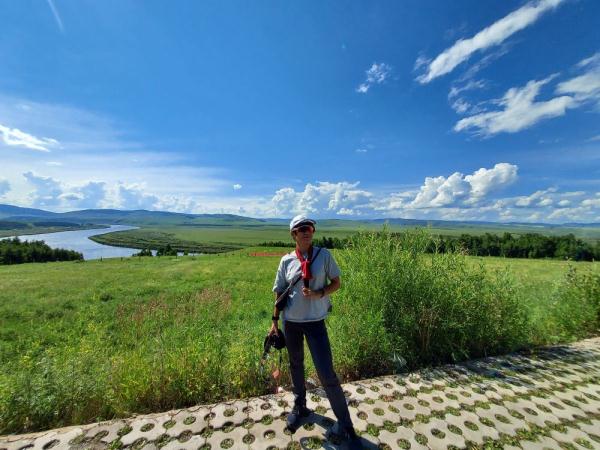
x=143 y=216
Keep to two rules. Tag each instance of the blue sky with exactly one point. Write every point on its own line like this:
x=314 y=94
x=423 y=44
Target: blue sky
x=451 y=110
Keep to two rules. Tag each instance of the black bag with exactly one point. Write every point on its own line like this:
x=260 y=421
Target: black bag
x=282 y=300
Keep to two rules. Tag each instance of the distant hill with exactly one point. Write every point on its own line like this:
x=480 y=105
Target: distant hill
x=165 y=218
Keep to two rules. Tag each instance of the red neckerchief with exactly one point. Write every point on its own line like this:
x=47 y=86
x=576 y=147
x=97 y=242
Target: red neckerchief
x=305 y=263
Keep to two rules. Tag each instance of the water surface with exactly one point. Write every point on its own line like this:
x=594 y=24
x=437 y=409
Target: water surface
x=78 y=240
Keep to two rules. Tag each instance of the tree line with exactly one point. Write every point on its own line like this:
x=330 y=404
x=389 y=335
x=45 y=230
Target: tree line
x=15 y=251
x=528 y=245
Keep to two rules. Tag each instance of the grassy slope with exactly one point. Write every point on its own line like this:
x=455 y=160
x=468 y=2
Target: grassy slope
x=183 y=327
x=39 y=302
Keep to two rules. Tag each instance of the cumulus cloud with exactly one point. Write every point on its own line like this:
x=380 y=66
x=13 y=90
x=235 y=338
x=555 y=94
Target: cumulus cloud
x=440 y=191
x=90 y=195
x=519 y=111
x=237 y=187
x=51 y=193
x=483 y=181
x=491 y=36
x=16 y=138
x=320 y=197
x=4 y=187
x=135 y=196
x=47 y=190
x=376 y=74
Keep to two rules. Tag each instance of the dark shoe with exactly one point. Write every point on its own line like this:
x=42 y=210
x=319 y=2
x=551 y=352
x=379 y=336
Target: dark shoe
x=354 y=441
x=338 y=435
x=293 y=418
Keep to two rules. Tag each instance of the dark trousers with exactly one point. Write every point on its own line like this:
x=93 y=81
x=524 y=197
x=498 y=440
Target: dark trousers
x=320 y=350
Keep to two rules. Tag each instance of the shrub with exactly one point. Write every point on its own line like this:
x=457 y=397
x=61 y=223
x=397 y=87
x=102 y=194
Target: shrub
x=424 y=308
x=575 y=306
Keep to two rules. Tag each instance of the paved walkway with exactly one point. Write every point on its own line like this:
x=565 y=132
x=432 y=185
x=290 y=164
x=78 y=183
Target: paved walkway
x=550 y=399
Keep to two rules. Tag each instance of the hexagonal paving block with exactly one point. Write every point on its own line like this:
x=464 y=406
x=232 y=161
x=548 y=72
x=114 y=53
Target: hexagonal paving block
x=106 y=432
x=270 y=435
x=544 y=443
x=471 y=427
x=403 y=437
x=234 y=438
x=438 y=435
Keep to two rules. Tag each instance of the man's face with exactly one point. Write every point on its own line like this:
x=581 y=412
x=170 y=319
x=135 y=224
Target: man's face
x=303 y=234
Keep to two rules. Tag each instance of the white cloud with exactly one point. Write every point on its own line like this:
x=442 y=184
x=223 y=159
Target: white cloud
x=461 y=106
x=585 y=87
x=376 y=74
x=135 y=196
x=91 y=195
x=4 y=187
x=237 y=187
x=458 y=189
x=456 y=197
x=484 y=181
x=322 y=197
x=17 y=138
x=54 y=163
x=441 y=191
x=455 y=91
x=519 y=111
x=47 y=190
x=361 y=150
x=491 y=36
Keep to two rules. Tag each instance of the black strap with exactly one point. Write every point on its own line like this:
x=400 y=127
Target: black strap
x=311 y=263
x=293 y=283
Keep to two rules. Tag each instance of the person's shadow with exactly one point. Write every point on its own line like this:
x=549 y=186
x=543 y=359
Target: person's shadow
x=327 y=441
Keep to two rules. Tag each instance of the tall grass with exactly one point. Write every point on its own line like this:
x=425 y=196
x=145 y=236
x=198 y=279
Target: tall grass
x=425 y=308
x=574 y=310
x=94 y=341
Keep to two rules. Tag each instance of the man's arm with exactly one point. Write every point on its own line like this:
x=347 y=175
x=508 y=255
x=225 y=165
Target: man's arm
x=335 y=284
x=275 y=310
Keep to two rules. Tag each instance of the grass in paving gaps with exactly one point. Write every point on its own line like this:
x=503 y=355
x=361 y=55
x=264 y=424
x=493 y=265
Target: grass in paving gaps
x=81 y=342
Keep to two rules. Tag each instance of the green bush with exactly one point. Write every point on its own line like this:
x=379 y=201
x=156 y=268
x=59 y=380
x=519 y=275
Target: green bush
x=425 y=308
x=575 y=307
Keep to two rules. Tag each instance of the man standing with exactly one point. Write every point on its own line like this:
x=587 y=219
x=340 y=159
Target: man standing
x=304 y=315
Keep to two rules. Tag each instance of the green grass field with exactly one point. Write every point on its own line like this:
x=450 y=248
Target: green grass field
x=215 y=239
x=99 y=339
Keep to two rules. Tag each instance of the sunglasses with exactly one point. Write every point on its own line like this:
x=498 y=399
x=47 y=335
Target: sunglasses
x=304 y=228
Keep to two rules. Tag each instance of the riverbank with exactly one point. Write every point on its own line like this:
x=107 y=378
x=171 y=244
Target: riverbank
x=33 y=230
x=79 y=241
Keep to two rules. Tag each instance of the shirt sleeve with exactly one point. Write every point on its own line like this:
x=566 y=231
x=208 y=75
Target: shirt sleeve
x=331 y=268
x=280 y=281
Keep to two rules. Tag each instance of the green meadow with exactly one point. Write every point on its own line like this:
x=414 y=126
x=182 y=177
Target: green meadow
x=93 y=340
x=208 y=237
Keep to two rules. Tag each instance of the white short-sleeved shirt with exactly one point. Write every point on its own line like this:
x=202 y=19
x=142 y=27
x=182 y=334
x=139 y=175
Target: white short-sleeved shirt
x=300 y=308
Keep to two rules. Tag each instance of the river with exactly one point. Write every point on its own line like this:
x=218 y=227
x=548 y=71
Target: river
x=78 y=241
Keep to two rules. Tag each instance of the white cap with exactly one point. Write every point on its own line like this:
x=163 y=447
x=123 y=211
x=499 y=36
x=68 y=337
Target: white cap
x=300 y=220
